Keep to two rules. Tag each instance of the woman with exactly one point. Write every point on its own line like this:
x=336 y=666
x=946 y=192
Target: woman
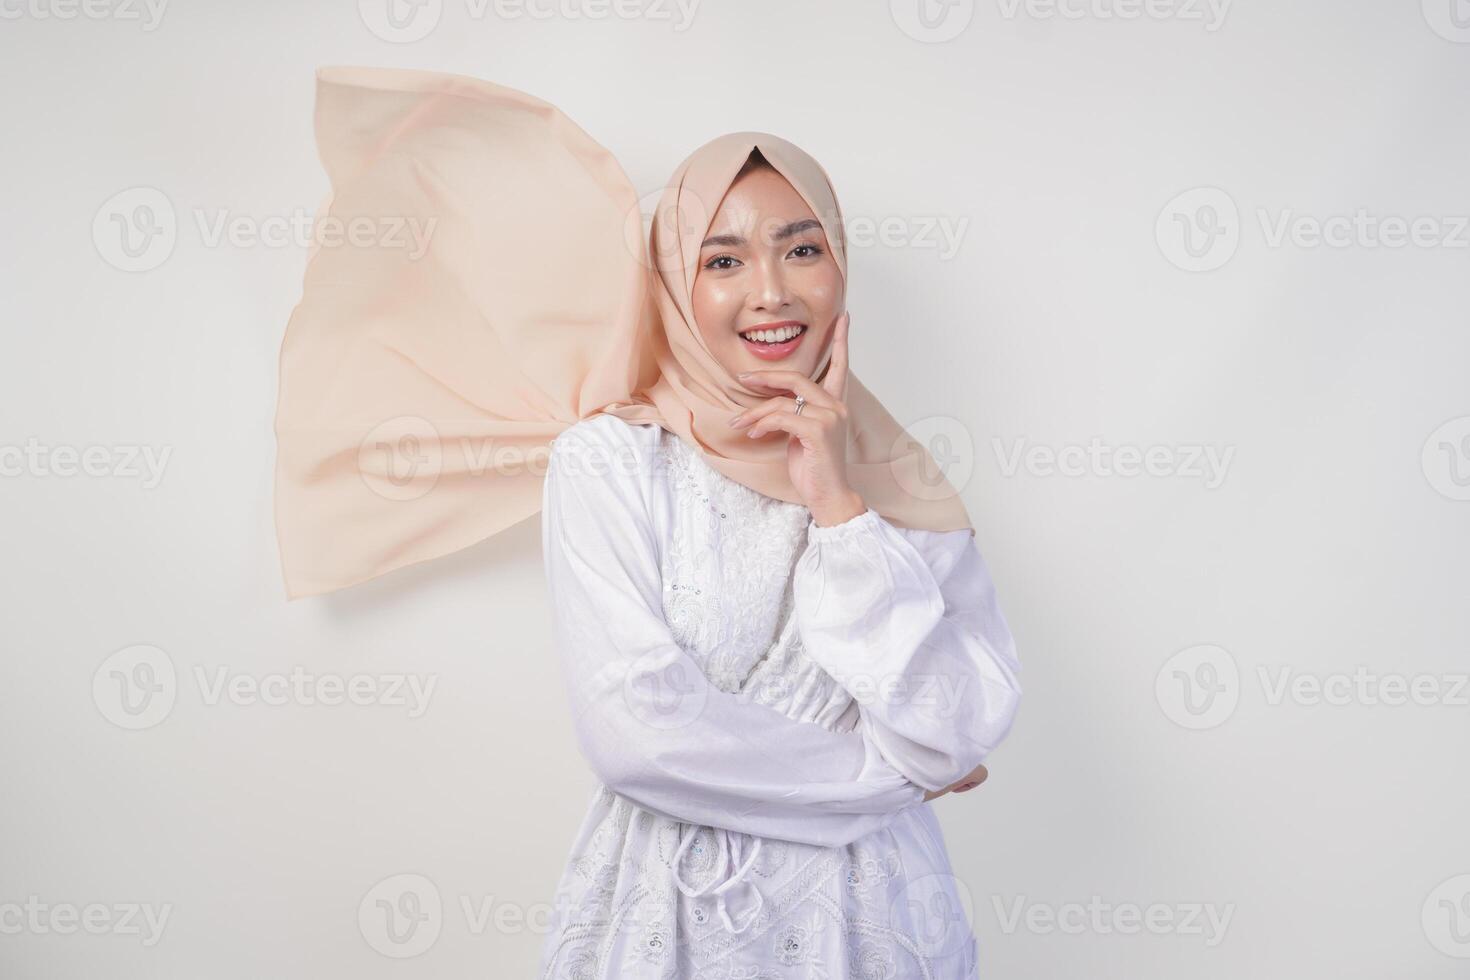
x=755 y=820
x=779 y=637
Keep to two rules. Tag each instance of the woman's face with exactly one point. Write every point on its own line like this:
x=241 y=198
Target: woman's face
x=766 y=266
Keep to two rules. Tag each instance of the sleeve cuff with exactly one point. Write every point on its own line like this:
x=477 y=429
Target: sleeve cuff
x=853 y=525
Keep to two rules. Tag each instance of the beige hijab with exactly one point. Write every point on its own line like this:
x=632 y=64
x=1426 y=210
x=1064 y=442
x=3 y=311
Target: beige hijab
x=481 y=280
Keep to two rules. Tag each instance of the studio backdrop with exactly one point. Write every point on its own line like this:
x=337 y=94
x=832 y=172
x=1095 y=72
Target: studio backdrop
x=1177 y=290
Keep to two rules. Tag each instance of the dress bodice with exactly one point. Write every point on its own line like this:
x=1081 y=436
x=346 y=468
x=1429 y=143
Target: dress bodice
x=728 y=589
x=724 y=842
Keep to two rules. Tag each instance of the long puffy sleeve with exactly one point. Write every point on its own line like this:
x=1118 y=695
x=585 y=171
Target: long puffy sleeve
x=648 y=722
x=908 y=622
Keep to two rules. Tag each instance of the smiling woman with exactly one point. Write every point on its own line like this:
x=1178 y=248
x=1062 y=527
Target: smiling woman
x=757 y=811
x=759 y=579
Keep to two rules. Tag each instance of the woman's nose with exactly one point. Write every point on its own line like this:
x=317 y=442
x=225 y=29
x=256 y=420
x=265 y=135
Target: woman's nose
x=769 y=290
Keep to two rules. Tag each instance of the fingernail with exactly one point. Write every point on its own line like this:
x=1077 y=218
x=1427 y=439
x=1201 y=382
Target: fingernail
x=735 y=421
x=743 y=374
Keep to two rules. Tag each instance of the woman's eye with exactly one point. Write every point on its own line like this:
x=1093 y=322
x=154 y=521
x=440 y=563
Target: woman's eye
x=810 y=251
x=714 y=263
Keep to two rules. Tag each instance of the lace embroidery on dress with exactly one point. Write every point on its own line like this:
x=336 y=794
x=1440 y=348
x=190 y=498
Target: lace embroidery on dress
x=728 y=593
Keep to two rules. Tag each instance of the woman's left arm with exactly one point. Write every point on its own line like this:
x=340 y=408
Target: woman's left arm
x=908 y=622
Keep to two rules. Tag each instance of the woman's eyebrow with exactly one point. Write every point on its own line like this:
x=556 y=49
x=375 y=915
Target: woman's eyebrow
x=781 y=234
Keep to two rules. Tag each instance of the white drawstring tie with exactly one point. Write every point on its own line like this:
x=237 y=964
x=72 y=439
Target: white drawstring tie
x=734 y=848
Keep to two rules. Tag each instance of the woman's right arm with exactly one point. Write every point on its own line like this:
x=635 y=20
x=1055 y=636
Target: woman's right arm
x=649 y=723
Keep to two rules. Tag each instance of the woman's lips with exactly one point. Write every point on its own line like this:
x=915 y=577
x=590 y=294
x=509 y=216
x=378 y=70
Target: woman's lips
x=774 y=352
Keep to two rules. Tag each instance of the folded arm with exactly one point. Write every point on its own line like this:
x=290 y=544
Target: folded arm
x=648 y=722
x=908 y=622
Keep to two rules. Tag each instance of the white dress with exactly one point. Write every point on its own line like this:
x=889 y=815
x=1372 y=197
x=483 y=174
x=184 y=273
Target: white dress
x=764 y=702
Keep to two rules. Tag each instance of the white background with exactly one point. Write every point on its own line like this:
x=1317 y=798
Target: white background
x=1060 y=140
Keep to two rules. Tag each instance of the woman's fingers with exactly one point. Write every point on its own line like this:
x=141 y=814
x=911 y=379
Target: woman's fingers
x=777 y=405
x=794 y=382
x=802 y=426
x=764 y=408
x=975 y=778
x=835 y=381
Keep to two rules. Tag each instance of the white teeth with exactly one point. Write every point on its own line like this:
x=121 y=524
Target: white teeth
x=776 y=336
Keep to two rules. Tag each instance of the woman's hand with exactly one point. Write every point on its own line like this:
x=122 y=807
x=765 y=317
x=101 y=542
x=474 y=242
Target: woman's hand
x=816 y=448
x=975 y=778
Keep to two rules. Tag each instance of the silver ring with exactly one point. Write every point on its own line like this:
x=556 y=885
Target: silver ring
x=800 y=403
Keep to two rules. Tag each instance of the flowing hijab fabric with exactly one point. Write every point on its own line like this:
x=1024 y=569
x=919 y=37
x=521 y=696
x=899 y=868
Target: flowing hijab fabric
x=480 y=280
